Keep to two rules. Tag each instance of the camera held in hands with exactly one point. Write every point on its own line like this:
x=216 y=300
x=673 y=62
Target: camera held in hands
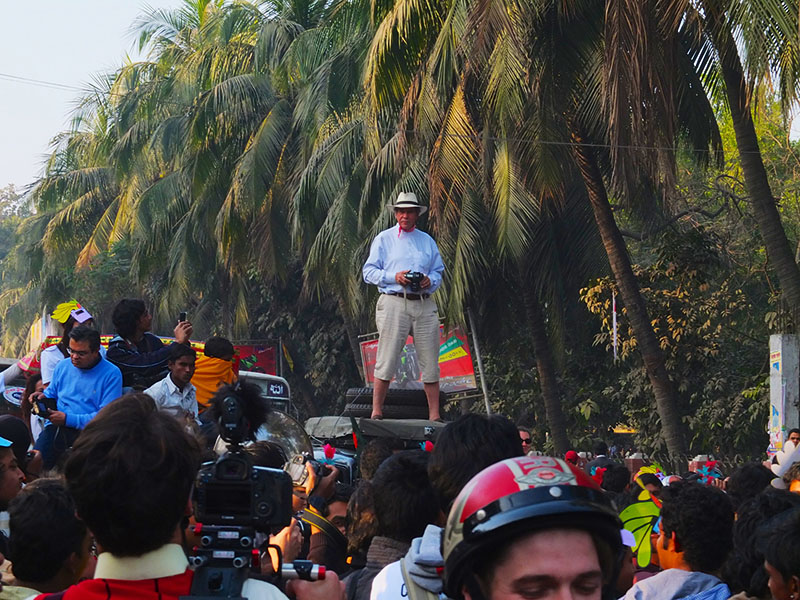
x=44 y=405
x=232 y=491
x=415 y=279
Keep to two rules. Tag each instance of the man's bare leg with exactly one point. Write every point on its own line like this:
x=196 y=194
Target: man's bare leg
x=381 y=386
x=432 y=394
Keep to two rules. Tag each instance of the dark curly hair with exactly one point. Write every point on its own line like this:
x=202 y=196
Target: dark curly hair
x=375 y=452
x=616 y=478
x=744 y=569
x=702 y=519
x=404 y=500
x=130 y=472
x=218 y=347
x=362 y=525
x=779 y=541
x=746 y=482
x=41 y=514
x=267 y=454
x=126 y=315
x=467 y=446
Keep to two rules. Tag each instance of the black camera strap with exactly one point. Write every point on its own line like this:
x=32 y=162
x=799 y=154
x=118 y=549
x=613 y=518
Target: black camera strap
x=312 y=518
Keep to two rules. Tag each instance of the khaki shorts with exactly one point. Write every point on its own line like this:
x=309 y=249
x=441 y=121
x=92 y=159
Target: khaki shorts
x=396 y=318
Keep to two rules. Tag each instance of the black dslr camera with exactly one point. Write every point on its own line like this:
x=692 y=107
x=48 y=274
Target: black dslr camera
x=44 y=405
x=231 y=491
x=415 y=279
x=233 y=499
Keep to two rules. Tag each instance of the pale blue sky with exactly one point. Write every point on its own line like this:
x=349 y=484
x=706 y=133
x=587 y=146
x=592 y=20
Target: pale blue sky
x=66 y=42
x=63 y=41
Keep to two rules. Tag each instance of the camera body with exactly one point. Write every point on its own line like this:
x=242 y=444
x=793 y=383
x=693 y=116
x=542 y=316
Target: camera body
x=231 y=491
x=234 y=499
x=343 y=462
x=415 y=279
x=44 y=405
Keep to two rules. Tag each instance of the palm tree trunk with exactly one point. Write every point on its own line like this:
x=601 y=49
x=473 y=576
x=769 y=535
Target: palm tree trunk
x=545 y=365
x=755 y=175
x=302 y=390
x=666 y=398
x=352 y=335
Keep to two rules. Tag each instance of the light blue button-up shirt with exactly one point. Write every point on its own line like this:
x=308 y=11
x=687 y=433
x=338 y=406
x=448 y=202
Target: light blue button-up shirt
x=394 y=250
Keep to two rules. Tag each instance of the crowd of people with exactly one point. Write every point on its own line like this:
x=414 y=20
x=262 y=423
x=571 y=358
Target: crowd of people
x=475 y=517
x=97 y=480
x=78 y=376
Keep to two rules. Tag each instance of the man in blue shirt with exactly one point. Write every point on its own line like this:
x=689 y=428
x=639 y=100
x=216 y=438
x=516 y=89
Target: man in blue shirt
x=394 y=254
x=80 y=387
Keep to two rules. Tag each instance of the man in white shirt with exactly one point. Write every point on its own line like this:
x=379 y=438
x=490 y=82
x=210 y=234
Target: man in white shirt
x=175 y=394
x=397 y=258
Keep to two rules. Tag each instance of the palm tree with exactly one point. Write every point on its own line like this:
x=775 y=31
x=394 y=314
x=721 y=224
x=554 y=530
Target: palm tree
x=769 y=38
x=480 y=188
x=545 y=71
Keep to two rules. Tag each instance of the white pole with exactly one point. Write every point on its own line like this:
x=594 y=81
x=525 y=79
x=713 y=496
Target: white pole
x=480 y=361
x=614 y=321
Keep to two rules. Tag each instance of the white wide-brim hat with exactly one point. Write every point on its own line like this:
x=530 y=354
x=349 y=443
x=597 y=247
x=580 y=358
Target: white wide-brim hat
x=409 y=200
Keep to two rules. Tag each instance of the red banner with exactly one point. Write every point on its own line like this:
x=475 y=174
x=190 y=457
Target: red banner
x=261 y=359
x=456 y=371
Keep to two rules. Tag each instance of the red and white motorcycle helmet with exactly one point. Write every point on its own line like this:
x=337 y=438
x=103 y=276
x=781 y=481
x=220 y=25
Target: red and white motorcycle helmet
x=522 y=495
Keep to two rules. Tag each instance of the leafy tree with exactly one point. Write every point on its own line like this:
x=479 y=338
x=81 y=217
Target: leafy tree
x=703 y=311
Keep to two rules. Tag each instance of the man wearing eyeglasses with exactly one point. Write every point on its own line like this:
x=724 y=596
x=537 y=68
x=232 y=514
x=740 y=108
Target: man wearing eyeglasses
x=80 y=387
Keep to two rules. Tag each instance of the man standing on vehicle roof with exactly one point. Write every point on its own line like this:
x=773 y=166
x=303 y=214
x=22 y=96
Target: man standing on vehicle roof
x=395 y=253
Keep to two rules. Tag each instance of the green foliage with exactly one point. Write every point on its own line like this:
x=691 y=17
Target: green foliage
x=102 y=283
x=316 y=341
x=704 y=312
x=240 y=171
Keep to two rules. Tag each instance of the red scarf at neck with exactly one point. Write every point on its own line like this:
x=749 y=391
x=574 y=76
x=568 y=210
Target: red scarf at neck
x=401 y=230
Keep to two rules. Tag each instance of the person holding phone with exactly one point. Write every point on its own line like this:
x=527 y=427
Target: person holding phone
x=139 y=354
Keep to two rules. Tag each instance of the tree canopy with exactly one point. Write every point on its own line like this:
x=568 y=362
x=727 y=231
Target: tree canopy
x=569 y=151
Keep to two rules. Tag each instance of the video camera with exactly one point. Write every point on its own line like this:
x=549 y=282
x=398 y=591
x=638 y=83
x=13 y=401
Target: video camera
x=415 y=279
x=232 y=491
x=234 y=499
